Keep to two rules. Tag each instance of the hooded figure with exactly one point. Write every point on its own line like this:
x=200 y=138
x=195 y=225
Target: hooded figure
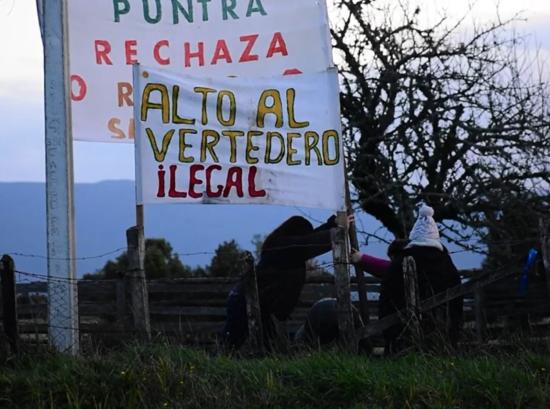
x=436 y=273
x=281 y=274
x=321 y=325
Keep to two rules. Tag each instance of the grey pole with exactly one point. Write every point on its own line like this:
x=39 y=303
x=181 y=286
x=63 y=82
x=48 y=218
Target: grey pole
x=62 y=286
x=40 y=13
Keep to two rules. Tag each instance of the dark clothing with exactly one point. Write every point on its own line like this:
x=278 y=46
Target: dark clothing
x=282 y=269
x=235 y=330
x=281 y=274
x=436 y=273
x=321 y=326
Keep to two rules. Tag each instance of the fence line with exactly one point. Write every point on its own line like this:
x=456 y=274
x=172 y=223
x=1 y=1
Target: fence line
x=467 y=247
x=190 y=309
x=193 y=306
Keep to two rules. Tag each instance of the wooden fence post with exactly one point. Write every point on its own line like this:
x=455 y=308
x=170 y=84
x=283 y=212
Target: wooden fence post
x=436 y=300
x=412 y=298
x=340 y=255
x=359 y=275
x=9 y=316
x=544 y=228
x=136 y=280
x=254 y=314
x=479 y=309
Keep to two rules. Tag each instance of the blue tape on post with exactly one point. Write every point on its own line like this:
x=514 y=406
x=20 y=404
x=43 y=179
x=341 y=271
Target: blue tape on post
x=524 y=278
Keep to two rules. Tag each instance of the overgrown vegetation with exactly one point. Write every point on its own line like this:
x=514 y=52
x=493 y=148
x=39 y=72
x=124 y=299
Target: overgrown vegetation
x=171 y=377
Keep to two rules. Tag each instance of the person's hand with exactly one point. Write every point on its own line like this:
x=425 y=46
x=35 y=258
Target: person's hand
x=347 y=221
x=355 y=256
x=331 y=221
x=350 y=220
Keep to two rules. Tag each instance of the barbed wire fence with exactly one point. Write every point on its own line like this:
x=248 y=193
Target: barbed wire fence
x=56 y=286
x=40 y=288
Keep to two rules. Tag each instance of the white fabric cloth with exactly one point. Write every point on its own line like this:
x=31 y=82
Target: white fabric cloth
x=425 y=231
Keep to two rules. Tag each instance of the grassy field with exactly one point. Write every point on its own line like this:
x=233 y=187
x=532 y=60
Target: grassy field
x=163 y=376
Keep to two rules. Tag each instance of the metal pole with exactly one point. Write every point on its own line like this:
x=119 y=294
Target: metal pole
x=62 y=286
x=136 y=236
x=40 y=13
x=140 y=219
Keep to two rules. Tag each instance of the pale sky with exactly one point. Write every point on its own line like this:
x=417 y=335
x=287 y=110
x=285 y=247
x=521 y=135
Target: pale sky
x=21 y=88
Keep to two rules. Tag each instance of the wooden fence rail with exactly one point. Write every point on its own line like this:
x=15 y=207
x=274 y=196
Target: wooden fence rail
x=192 y=310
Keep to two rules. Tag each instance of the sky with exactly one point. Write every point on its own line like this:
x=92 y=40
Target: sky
x=21 y=88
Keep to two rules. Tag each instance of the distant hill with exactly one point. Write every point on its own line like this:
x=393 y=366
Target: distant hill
x=105 y=210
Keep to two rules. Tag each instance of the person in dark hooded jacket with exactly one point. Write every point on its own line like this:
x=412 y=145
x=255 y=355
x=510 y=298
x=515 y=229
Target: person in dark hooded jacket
x=321 y=325
x=281 y=274
x=436 y=272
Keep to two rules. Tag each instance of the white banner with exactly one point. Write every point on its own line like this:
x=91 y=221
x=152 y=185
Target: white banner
x=273 y=140
x=210 y=38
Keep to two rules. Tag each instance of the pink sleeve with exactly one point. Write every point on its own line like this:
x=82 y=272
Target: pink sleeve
x=376 y=266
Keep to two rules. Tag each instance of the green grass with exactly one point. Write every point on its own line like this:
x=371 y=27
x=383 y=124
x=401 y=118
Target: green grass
x=165 y=376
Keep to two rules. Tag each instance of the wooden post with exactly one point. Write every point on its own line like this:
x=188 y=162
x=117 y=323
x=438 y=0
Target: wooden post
x=340 y=253
x=479 y=309
x=136 y=280
x=412 y=297
x=361 y=286
x=254 y=314
x=436 y=300
x=140 y=218
x=9 y=316
x=360 y=276
x=544 y=228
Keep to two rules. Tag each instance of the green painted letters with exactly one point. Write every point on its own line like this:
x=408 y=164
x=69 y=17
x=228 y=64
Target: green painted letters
x=204 y=9
x=187 y=13
x=228 y=7
x=118 y=10
x=258 y=8
x=147 y=14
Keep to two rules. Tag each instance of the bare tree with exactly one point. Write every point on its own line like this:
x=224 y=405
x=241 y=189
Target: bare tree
x=511 y=234
x=451 y=114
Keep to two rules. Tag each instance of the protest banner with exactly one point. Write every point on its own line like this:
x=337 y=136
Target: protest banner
x=274 y=140
x=196 y=37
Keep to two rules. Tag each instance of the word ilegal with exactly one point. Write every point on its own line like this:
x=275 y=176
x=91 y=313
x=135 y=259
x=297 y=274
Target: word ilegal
x=236 y=178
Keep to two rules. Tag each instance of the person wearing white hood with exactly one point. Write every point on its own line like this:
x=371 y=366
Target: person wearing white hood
x=436 y=272
x=425 y=232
